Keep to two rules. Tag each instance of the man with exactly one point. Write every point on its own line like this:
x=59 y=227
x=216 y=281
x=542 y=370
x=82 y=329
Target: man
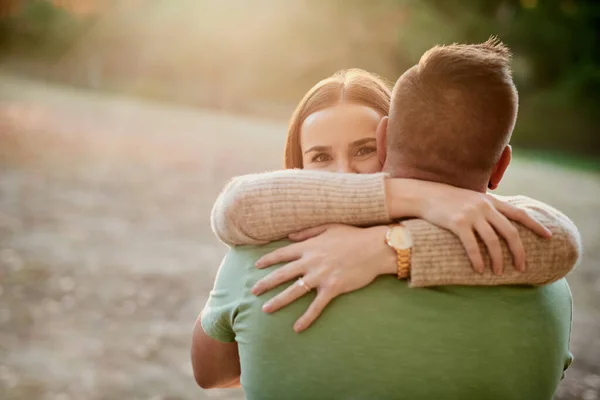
x=386 y=341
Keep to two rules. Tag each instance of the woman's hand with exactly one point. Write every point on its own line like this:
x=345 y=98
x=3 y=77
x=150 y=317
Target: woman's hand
x=467 y=214
x=332 y=259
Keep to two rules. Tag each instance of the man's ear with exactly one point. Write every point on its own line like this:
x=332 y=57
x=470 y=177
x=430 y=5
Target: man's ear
x=381 y=136
x=500 y=168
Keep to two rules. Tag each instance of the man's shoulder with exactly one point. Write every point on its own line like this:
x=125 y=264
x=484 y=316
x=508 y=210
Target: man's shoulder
x=246 y=255
x=553 y=300
x=251 y=250
x=559 y=289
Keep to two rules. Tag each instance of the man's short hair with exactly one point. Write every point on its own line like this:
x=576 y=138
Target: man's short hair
x=453 y=113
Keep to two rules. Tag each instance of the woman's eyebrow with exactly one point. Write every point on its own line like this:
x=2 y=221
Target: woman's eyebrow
x=361 y=142
x=318 y=148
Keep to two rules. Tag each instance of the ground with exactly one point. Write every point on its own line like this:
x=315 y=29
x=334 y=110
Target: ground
x=106 y=253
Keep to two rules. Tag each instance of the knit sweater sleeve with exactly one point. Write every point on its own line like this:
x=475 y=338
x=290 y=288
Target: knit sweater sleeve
x=259 y=208
x=438 y=257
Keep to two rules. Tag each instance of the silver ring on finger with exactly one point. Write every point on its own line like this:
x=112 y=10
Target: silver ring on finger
x=300 y=282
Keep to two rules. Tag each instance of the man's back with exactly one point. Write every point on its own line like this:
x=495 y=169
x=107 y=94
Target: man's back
x=387 y=341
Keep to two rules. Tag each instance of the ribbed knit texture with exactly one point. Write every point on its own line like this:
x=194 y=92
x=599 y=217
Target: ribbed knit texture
x=438 y=257
x=260 y=208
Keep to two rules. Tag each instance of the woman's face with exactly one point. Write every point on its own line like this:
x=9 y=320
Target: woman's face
x=341 y=139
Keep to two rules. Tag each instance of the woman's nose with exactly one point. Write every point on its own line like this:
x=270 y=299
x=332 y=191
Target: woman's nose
x=345 y=166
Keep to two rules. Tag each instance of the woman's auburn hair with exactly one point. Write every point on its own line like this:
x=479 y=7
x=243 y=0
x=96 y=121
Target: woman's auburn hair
x=351 y=86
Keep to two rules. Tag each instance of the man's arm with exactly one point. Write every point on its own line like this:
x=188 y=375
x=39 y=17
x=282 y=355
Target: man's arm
x=216 y=364
x=214 y=352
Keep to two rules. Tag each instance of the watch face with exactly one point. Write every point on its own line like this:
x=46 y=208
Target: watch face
x=399 y=238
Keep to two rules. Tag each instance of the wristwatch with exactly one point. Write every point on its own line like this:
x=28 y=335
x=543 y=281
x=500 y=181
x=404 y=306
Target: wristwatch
x=399 y=239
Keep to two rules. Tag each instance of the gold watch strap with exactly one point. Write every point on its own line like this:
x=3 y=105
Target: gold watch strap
x=404 y=263
x=403 y=255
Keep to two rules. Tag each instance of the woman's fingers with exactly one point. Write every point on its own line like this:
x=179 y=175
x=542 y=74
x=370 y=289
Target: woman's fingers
x=511 y=235
x=285 y=254
x=278 y=277
x=492 y=242
x=469 y=241
x=286 y=297
x=314 y=310
x=521 y=216
x=307 y=233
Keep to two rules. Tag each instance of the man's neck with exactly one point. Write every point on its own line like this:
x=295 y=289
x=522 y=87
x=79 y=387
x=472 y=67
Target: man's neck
x=464 y=181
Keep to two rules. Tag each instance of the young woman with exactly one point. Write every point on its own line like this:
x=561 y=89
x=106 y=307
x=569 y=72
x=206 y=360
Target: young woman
x=334 y=130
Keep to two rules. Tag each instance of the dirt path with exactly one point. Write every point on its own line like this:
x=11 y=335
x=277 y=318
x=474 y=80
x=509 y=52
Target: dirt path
x=106 y=255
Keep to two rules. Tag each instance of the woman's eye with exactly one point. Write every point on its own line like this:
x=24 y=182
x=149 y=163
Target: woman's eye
x=363 y=151
x=322 y=157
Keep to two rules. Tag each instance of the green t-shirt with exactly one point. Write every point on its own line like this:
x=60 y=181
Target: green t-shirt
x=388 y=341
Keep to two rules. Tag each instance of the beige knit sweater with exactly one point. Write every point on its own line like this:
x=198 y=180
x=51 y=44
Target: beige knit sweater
x=260 y=208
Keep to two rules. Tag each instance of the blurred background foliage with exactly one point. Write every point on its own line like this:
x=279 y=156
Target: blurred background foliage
x=261 y=56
